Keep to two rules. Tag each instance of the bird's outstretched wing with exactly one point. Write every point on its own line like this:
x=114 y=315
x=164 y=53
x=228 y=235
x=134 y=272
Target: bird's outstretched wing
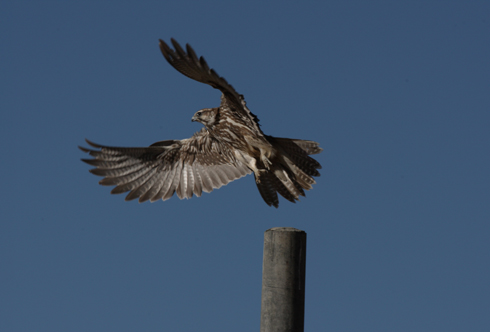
x=187 y=167
x=196 y=68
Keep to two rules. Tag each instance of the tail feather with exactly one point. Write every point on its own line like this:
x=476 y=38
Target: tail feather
x=267 y=189
x=311 y=147
x=298 y=152
x=289 y=184
x=282 y=188
x=291 y=172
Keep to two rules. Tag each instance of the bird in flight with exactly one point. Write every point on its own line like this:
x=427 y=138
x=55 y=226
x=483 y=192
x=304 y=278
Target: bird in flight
x=230 y=146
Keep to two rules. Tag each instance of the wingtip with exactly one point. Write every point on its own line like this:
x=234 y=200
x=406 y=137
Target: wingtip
x=161 y=43
x=174 y=42
x=84 y=149
x=92 y=144
x=166 y=50
x=178 y=49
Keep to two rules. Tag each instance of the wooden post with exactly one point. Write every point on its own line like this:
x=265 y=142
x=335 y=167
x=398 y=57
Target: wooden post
x=283 y=280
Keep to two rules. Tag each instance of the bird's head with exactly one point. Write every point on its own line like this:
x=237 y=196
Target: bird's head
x=207 y=116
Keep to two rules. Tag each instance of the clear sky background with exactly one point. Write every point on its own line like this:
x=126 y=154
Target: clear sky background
x=396 y=92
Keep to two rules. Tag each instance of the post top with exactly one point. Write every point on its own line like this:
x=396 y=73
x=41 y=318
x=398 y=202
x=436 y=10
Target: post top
x=284 y=229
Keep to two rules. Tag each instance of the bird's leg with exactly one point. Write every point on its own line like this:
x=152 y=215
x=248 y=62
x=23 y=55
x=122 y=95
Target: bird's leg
x=253 y=166
x=264 y=147
x=264 y=158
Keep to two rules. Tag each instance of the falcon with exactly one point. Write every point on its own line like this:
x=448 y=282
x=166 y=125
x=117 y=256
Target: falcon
x=228 y=147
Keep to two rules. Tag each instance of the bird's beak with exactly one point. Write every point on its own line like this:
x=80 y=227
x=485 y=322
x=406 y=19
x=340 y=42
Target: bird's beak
x=194 y=118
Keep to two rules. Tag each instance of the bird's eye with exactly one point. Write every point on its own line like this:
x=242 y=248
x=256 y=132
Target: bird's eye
x=198 y=113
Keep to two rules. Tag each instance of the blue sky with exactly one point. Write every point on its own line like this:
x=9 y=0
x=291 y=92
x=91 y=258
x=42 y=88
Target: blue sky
x=397 y=94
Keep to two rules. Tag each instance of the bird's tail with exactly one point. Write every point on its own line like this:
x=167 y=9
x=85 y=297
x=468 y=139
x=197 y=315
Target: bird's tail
x=291 y=172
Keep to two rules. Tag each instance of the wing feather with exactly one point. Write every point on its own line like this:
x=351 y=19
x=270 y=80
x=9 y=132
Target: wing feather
x=158 y=180
x=207 y=182
x=175 y=181
x=143 y=185
x=189 y=188
x=127 y=184
x=188 y=64
x=117 y=178
x=167 y=182
x=214 y=176
x=197 y=69
x=187 y=167
x=197 y=181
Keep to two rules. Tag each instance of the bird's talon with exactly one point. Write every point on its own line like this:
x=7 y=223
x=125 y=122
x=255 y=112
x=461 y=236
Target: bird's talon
x=267 y=162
